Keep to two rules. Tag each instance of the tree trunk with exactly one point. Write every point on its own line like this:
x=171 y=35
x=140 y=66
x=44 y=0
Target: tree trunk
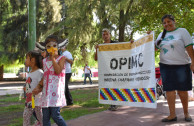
x=122 y=21
x=1 y=72
x=121 y=26
x=131 y=35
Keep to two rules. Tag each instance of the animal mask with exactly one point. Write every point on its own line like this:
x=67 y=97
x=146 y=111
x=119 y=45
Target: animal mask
x=42 y=46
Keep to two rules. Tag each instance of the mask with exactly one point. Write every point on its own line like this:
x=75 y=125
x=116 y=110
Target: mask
x=51 y=47
x=52 y=50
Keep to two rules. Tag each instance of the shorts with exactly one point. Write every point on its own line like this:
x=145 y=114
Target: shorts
x=176 y=77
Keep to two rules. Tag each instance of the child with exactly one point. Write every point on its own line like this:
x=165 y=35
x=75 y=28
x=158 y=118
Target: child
x=53 y=84
x=33 y=60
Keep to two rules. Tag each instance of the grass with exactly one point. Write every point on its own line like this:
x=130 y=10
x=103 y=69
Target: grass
x=85 y=102
x=11 y=108
x=10 y=99
x=17 y=122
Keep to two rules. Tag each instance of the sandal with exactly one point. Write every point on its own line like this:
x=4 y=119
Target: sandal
x=188 y=119
x=169 y=120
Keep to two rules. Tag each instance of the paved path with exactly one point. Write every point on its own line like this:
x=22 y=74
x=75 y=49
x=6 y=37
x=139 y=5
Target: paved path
x=15 y=87
x=133 y=116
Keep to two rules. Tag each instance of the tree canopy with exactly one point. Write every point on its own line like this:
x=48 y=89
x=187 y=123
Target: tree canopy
x=82 y=22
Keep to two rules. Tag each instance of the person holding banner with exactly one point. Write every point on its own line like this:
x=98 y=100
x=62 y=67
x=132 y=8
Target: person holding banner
x=176 y=65
x=106 y=36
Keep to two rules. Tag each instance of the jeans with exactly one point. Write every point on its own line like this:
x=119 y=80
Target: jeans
x=53 y=112
x=87 y=75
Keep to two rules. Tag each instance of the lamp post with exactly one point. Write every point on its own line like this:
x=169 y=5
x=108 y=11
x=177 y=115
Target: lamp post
x=31 y=24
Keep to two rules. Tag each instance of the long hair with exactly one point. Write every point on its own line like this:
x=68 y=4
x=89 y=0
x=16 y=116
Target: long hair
x=162 y=37
x=37 y=56
x=164 y=31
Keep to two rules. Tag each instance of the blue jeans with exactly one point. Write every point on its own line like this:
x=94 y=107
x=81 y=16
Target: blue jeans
x=87 y=75
x=53 y=112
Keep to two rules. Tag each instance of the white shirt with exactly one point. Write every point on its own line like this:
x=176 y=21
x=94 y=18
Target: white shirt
x=86 y=71
x=35 y=78
x=68 y=55
x=172 y=47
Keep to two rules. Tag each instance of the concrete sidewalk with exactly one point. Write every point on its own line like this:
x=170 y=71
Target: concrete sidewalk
x=16 y=87
x=133 y=116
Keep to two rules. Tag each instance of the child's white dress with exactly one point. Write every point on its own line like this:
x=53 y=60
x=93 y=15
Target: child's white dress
x=53 y=85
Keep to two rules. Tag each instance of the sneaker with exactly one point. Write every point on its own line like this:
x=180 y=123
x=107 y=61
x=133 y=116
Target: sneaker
x=113 y=108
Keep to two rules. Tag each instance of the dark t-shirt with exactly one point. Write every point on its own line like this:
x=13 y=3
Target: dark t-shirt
x=111 y=41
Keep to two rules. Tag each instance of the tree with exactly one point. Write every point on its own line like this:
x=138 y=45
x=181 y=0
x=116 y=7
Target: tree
x=83 y=20
x=14 y=24
x=155 y=9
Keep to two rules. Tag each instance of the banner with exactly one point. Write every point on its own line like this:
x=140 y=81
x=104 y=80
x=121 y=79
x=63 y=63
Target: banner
x=127 y=73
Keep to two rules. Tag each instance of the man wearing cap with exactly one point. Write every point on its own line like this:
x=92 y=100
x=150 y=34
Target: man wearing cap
x=68 y=64
x=106 y=36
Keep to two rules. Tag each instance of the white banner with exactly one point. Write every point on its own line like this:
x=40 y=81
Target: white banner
x=127 y=73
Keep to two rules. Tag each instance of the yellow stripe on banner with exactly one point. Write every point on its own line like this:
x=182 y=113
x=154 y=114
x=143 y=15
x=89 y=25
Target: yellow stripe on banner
x=126 y=46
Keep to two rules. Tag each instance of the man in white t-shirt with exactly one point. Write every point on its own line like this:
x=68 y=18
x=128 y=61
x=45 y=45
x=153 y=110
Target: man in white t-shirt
x=87 y=73
x=68 y=64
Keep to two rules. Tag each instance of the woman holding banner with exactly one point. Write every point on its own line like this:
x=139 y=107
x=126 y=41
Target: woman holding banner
x=176 y=65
